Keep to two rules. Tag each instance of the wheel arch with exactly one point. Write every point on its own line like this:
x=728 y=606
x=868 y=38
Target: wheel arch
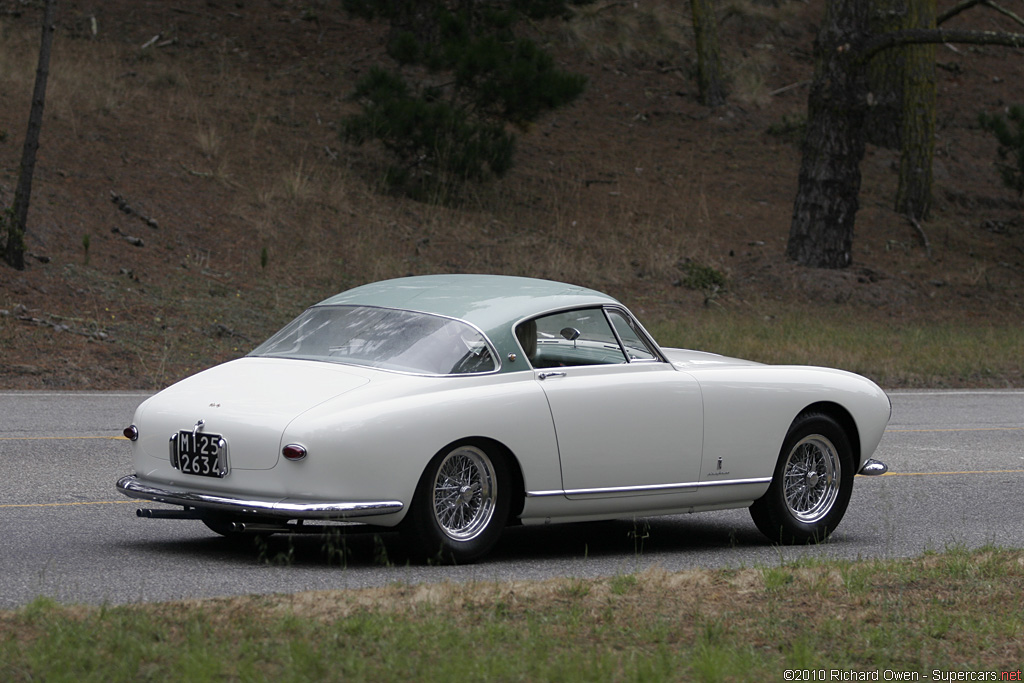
x=488 y=444
x=845 y=420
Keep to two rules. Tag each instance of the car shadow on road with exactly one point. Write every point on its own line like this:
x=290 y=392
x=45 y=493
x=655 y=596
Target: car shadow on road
x=359 y=546
x=624 y=537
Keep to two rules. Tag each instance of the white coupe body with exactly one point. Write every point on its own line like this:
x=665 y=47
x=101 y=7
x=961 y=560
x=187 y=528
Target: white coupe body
x=558 y=407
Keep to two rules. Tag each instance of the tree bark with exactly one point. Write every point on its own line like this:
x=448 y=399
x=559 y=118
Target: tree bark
x=885 y=76
x=14 y=252
x=709 y=63
x=821 y=231
x=914 y=194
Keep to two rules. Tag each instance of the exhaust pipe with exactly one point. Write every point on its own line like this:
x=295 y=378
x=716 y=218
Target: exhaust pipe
x=163 y=513
x=263 y=528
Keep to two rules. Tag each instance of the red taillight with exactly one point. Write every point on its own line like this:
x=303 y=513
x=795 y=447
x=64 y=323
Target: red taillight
x=131 y=433
x=294 y=451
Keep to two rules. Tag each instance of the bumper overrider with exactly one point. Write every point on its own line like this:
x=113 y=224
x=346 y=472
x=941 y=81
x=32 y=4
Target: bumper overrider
x=873 y=468
x=283 y=509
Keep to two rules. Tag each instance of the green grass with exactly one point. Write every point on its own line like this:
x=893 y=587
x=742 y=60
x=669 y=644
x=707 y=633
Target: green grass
x=955 y=610
x=922 y=354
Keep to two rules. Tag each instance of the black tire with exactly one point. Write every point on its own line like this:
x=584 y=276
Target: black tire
x=460 y=505
x=812 y=483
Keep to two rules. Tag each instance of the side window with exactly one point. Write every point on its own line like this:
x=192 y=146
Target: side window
x=580 y=337
x=636 y=346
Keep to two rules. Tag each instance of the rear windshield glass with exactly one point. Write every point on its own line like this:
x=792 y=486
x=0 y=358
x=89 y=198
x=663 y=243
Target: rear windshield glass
x=385 y=338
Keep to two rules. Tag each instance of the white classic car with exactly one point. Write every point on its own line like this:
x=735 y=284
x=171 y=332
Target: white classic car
x=451 y=406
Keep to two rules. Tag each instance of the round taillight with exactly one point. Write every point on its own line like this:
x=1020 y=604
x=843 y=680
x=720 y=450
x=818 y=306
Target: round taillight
x=294 y=451
x=131 y=433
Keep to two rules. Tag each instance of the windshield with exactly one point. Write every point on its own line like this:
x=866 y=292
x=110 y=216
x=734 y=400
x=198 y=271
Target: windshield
x=382 y=338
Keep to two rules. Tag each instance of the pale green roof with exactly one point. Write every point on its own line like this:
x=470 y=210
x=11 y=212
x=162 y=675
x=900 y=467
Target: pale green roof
x=492 y=303
x=483 y=300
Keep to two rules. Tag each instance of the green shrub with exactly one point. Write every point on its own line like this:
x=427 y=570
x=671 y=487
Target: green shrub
x=437 y=145
x=701 y=277
x=790 y=129
x=444 y=135
x=516 y=81
x=1010 y=134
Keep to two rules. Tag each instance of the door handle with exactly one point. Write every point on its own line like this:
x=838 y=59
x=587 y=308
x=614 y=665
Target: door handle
x=546 y=375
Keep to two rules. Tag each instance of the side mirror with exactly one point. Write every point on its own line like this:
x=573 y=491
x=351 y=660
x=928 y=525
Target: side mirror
x=570 y=333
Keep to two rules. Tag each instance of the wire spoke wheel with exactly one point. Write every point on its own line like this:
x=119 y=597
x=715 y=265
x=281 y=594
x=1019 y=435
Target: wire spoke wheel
x=465 y=493
x=811 y=485
x=811 y=478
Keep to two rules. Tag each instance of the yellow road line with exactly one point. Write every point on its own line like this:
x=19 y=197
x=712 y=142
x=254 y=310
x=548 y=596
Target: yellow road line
x=60 y=505
x=57 y=438
x=126 y=502
x=888 y=431
x=959 y=429
x=922 y=474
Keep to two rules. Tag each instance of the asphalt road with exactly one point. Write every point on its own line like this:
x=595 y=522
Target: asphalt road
x=956 y=479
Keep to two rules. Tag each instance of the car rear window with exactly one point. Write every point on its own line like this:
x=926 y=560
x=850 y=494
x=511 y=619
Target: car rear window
x=386 y=338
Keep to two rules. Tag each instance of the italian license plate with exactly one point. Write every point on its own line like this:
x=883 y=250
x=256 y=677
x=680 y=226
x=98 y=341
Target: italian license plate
x=200 y=453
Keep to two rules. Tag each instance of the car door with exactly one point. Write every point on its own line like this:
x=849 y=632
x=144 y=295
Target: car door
x=626 y=422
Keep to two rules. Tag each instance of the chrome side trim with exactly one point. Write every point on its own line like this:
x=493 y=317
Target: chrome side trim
x=652 y=488
x=133 y=488
x=736 y=482
x=873 y=468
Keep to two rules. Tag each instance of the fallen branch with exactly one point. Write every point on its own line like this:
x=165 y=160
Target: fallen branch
x=21 y=314
x=222 y=330
x=198 y=174
x=127 y=208
x=789 y=87
x=130 y=239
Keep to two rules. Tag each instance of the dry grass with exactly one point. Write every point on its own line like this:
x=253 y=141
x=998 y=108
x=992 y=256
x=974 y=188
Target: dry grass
x=85 y=78
x=654 y=32
x=924 y=354
x=748 y=78
x=955 y=610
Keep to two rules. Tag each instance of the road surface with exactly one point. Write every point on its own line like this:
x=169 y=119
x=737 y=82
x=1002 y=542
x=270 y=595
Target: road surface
x=956 y=478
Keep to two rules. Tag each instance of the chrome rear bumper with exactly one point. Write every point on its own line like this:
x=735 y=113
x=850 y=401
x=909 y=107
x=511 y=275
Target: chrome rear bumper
x=282 y=509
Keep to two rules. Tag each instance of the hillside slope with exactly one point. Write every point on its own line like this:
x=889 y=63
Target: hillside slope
x=184 y=141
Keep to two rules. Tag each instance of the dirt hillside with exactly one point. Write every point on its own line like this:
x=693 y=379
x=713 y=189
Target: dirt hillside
x=192 y=194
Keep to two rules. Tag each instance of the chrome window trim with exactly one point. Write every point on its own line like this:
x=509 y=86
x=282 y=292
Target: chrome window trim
x=490 y=345
x=641 y=333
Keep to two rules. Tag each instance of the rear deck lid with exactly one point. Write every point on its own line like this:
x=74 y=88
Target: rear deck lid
x=248 y=402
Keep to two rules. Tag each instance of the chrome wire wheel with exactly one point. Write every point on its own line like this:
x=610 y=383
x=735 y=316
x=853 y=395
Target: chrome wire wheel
x=811 y=478
x=464 y=493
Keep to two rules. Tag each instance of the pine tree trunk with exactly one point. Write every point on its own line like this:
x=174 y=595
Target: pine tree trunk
x=885 y=75
x=709 y=68
x=821 y=232
x=914 y=194
x=14 y=252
